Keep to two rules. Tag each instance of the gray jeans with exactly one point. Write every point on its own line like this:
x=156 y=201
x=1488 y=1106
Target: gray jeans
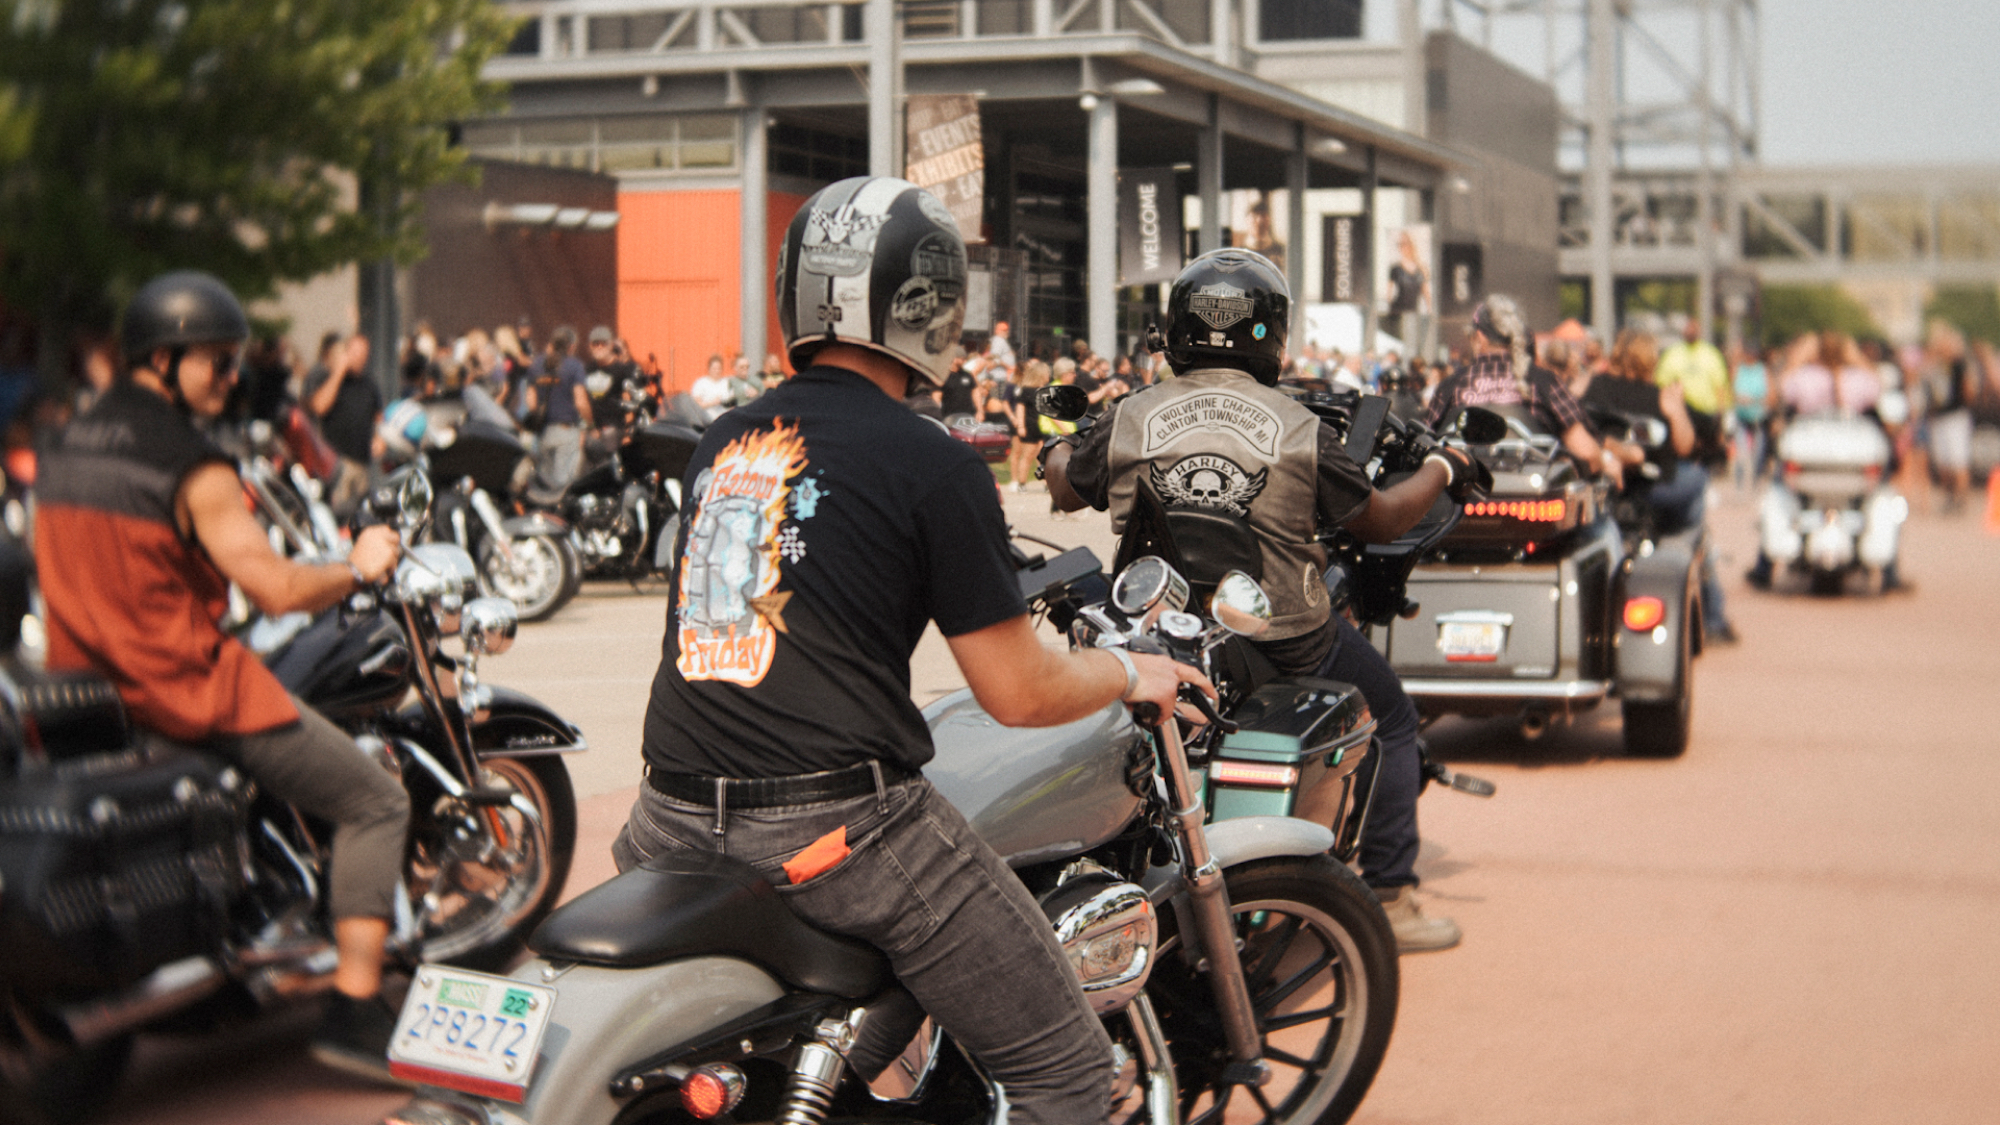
x=960 y=930
x=316 y=767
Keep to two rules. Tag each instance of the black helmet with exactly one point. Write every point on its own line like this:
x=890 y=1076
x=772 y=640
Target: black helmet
x=878 y=262
x=178 y=310
x=1229 y=308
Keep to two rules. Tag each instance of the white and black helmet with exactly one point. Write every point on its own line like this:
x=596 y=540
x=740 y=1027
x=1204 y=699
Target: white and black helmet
x=878 y=262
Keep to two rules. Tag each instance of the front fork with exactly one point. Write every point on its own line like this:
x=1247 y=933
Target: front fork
x=1215 y=924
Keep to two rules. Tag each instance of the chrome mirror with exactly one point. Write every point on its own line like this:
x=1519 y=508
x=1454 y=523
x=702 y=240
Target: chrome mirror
x=1240 y=605
x=1147 y=584
x=488 y=626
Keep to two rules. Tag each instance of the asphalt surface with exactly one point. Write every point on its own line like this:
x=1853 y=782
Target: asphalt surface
x=1794 y=922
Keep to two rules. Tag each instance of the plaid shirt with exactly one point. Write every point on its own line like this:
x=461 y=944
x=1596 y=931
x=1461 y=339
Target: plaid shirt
x=1488 y=380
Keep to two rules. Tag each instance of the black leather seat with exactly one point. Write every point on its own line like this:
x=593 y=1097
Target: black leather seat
x=693 y=904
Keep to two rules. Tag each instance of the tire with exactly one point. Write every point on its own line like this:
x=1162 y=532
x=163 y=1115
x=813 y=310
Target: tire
x=65 y=1090
x=1307 y=925
x=1660 y=729
x=477 y=899
x=540 y=578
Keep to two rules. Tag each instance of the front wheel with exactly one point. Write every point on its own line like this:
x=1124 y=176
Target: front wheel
x=1320 y=961
x=538 y=573
x=484 y=876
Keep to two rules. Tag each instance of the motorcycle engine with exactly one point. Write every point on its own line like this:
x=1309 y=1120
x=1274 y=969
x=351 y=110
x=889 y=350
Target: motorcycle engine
x=1108 y=929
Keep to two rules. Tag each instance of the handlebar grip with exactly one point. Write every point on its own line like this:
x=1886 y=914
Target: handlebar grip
x=1146 y=714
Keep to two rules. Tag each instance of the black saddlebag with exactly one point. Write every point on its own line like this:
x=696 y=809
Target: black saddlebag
x=115 y=863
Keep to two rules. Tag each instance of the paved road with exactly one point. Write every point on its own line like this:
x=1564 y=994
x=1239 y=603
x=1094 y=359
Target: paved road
x=1793 y=923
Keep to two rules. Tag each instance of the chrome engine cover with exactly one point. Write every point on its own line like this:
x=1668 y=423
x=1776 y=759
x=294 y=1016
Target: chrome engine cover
x=1109 y=930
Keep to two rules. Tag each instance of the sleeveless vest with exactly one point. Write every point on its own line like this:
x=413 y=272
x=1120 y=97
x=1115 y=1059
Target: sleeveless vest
x=1217 y=438
x=128 y=596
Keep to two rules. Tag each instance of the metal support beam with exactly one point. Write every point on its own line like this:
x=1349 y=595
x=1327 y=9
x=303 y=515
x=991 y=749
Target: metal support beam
x=754 y=282
x=1101 y=276
x=885 y=81
x=1295 y=225
x=1208 y=176
x=1602 y=106
x=1364 y=281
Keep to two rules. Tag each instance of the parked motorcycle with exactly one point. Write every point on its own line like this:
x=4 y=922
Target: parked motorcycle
x=1238 y=966
x=527 y=557
x=148 y=886
x=624 y=513
x=1830 y=511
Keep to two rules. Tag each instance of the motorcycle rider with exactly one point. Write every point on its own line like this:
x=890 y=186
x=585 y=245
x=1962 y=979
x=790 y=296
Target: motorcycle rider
x=1220 y=435
x=1501 y=373
x=827 y=526
x=140 y=530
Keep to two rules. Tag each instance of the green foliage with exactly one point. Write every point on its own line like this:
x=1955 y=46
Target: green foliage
x=1973 y=309
x=1790 y=311
x=138 y=136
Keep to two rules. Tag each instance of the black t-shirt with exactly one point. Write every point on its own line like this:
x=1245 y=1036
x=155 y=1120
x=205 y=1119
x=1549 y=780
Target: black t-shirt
x=606 y=387
x=958 y=392
x=827 y=525
x=349 y=426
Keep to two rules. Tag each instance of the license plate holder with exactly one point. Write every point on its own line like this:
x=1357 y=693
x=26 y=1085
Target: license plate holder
x=471 y=1032
x=1472 y=641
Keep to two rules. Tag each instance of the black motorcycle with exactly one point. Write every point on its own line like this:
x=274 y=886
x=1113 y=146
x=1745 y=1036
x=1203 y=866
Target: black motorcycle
x=528 y=557
x=624 y=512
x=146 y=886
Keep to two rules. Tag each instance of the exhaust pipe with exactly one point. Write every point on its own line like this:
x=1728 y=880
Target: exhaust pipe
x=1534 y=724
x=171 y=987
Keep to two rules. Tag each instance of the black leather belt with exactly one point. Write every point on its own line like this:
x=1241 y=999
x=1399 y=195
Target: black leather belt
x=772 y=792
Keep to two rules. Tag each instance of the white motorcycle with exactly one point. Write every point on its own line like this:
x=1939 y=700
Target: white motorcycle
x=1830 y=511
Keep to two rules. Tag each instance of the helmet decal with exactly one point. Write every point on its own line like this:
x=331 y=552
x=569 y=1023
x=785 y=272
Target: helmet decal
x=914 y=303
x=1258 y=331
x=1221 y=305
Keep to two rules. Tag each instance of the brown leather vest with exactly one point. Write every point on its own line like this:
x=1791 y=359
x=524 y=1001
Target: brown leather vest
x=1217 y=438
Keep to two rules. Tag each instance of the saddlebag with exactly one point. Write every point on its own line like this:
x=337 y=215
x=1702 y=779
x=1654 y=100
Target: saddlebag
x=113 y=864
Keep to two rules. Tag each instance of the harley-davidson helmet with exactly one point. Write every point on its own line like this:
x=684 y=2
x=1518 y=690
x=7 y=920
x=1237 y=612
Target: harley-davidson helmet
x=877 y=262
x=1229 y=308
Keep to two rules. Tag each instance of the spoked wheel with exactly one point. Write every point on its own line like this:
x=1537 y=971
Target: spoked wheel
x=538 y=573
x=1321 y=965
x=483 y=876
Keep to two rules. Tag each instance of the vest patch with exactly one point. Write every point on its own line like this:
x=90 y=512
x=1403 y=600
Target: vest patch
x=1213 y=412
x=1207 y=481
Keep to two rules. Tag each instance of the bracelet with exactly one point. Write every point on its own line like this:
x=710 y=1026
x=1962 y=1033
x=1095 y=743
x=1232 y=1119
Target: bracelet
x=1131 y=672
x=1450 y=471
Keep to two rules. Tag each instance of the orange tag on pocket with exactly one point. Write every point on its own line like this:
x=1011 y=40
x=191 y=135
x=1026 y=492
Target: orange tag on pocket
x=818 y=856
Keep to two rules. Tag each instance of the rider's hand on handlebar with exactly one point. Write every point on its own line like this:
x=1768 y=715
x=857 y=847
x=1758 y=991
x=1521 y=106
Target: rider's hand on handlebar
x=1466 y=476
x=375 y=552
x=1160 y=680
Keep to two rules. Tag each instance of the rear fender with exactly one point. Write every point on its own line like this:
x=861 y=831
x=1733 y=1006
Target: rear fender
x=1648 y=664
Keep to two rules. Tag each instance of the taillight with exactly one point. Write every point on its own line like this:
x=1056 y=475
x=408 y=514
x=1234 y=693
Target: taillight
x=1532 y=511
x=1643 y=614
x=1254 y=773
x=712 y=1090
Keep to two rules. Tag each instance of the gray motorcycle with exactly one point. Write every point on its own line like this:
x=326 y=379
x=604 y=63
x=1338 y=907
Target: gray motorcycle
x=1239 y=968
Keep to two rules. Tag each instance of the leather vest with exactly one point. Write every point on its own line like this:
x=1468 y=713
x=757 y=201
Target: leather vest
x=1217 y=438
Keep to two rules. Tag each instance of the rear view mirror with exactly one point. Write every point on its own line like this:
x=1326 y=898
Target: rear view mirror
x=1240 y=605
x=1064 y=402
x=1481 y=427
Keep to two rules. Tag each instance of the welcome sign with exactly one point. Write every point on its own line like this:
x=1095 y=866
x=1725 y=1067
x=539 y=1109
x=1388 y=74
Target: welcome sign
x=1149 y=226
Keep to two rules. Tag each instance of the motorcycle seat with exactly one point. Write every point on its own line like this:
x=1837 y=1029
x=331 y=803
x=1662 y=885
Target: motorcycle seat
x=65 y=714
x=543 y=496
x=694 y=904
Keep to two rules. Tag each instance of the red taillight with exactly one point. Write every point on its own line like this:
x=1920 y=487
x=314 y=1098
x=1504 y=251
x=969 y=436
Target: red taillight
x=1254 y=773
x=1873 y=473
x=711 y=1091
x=1532 y=511
x=1642 y=615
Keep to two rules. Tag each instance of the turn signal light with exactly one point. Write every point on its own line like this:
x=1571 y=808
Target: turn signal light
x=1254 y=773
x=1533 y=511
x=712 y=1091
x=1642 y=614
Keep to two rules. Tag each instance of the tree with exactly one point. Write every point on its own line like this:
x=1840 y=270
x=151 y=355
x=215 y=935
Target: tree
x=1790 y=311
x=138 y=136
x=1972 y=309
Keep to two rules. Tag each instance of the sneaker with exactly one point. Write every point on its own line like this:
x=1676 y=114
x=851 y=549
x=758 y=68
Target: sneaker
x=353 y=1038
x=1724 y=634
x=1759 y=576
x=1414 y=932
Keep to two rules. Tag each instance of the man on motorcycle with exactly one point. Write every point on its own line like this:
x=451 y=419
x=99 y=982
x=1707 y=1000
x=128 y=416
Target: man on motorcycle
x=1221 y=436
x=140 y=530
x=1502 y=374
x=827 y=525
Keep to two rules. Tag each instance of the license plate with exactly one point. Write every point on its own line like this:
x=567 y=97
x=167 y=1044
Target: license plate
x=1471 y=641
x=471 y=1032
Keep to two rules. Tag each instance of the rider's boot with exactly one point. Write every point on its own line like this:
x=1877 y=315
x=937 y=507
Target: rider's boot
x=1415 y=933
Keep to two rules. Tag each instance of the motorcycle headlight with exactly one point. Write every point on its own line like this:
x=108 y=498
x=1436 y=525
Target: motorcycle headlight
x=441 y=575
x=488 y=626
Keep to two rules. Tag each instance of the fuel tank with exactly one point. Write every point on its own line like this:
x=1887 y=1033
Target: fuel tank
x=1037 y=793
x=344 y=662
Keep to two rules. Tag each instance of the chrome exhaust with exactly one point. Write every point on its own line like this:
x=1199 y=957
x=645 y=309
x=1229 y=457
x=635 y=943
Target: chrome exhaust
x=171 y=987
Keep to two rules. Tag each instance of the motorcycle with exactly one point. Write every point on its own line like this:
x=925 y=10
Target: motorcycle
x=624 y=512
x=1237 y=965
x=150 y=886
x=528 y=557
x=1830 y=511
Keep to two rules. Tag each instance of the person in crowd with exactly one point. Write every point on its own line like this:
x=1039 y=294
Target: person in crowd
x=1698 y=368
x=956 y=396
x=609 y=379
x=1027 y=424
x=264 y=391
x=565 y=405
x=1751 y=389
x=711 y=391
x=743 y=386
x=1409 y=293
x=139 y=532
x=1950 y=378
x=344 y=398
x=1000 y=350
x=1830 y=375
x=1501 y=374
x=773 y=373
x=1305 y=481
x=780 y=726
x=515 y=371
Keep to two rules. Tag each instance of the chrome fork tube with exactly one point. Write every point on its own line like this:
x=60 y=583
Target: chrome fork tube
x=1209 y=896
